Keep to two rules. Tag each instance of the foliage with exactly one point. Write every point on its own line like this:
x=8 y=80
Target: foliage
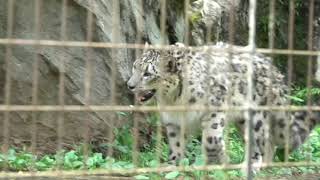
x=300 y=95
x=195 y=17
x=16 y=160
x=281 y=33
x=74 y=159
x=123 y=142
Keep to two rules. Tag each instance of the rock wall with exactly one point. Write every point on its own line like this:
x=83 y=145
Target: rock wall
x=50 y=58
x=74 y=58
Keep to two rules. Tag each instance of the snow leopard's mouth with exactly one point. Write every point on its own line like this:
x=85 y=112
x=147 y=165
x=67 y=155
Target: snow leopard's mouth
x=144 y=96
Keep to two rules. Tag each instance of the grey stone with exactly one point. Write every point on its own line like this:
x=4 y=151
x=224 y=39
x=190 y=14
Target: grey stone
x=134 y=18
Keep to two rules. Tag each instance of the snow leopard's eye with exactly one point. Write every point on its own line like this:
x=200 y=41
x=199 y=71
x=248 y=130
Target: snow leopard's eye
x=146 y=74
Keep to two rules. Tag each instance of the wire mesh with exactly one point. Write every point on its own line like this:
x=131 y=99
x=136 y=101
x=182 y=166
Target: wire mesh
x=115 y=45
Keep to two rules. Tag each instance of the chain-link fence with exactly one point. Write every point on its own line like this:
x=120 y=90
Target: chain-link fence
x=88 y=103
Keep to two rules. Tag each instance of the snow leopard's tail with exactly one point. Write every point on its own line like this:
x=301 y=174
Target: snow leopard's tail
x=311 y=118
x=315 y=116
x=302 y=124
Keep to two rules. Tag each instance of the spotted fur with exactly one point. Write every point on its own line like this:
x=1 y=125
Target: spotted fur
x=213 y=77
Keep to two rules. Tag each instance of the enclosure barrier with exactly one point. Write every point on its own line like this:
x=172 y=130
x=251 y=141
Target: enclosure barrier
x=9 y=42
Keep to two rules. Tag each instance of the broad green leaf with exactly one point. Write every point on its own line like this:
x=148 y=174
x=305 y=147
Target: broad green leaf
x=153 y=163
x=77 y=164
x=172 y=175
x=294 y=98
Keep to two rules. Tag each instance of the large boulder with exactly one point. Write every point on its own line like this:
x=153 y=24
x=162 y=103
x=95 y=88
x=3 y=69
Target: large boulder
x=21 y=61
x=134 y=18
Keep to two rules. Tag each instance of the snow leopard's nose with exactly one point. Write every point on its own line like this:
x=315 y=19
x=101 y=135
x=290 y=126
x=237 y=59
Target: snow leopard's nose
x=130 y=85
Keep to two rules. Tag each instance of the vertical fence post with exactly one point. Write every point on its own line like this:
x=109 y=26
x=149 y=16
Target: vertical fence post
x=7 y=86
x=249 y=113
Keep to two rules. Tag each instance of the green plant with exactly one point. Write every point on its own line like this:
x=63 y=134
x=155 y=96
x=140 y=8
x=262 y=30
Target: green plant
x=20 y=161
x=45 y=163
x=300 y=95
x=195 y=17
x=74 y=159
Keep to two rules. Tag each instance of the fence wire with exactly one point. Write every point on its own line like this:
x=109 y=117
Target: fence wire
x=89 y=44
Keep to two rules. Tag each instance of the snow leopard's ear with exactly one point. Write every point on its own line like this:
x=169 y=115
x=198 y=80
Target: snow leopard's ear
x=174 y=58
x=146 y=46
x=169 y=63
x=172 y=66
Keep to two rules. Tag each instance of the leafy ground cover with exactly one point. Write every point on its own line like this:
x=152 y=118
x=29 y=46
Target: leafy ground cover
x=16 y=160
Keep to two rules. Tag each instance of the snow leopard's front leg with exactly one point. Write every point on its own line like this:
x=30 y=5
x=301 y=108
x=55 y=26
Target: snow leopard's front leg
x=174 y=138
x=262 y=148
x=212 y=137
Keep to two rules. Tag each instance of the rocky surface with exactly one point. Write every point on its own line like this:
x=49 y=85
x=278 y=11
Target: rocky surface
x=210 y=20
x=50 y=59
x=134 y=18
